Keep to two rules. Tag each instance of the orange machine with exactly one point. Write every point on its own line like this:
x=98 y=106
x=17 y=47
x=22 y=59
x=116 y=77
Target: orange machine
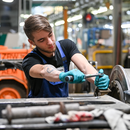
x=13 y=82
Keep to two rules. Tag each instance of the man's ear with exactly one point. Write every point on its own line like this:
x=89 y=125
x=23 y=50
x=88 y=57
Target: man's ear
x=31 y=42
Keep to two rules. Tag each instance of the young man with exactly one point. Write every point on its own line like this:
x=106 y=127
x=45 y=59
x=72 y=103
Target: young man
x=48 y=64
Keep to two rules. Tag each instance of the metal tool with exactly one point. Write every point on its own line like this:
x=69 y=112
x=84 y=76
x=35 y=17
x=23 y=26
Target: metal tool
x=71 y=78
x=96 y=92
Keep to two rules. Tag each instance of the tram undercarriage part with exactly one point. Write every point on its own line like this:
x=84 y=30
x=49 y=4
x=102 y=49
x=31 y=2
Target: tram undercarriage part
x=42 y=111
x=120 y=83
x=99 y=92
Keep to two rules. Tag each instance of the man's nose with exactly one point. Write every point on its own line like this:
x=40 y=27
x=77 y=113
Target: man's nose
x=49 y=41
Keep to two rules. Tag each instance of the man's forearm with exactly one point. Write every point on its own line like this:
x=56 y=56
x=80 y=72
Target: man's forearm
x=91 y=70
x=50 y=73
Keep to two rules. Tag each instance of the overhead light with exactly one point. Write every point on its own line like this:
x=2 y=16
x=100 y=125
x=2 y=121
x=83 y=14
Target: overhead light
x=59 y=22
x=25 y=15
x=100 y=10
x=69 y=29
x=128 y=12
x=125 y=25
x=111 y=7
x=110 y=17
x=122 y=26
x=79 y=25
x=108 y=26
x=8 y=1
x=76 y=17
x=77 y=29
x=21 y=24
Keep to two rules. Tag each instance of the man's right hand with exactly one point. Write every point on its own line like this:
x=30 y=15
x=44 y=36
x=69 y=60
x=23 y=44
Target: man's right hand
x=78 y=76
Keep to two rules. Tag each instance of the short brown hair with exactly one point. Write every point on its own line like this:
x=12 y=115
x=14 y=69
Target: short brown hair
x=35 y=23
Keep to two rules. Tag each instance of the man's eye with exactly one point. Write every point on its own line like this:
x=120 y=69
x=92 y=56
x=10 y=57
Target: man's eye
x=42 y=40
x=50 y=35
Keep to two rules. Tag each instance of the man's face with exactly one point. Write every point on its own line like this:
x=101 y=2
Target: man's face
x=45 y=42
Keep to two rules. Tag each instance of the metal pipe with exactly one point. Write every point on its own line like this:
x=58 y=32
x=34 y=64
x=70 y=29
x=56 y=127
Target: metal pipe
x=65 y=16
x=41 y=111
x=104 y=51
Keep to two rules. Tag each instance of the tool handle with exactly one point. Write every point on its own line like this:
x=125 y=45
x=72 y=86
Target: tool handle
x=101 y=75
x=69 y=78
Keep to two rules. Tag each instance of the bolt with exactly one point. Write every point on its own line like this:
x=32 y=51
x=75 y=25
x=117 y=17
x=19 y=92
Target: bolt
x=115 y=84
x=118 y=91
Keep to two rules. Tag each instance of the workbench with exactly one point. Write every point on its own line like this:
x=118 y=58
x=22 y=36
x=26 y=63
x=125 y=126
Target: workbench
x=102 y=102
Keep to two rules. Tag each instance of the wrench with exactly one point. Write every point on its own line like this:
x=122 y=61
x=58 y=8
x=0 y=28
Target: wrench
x=70 y=78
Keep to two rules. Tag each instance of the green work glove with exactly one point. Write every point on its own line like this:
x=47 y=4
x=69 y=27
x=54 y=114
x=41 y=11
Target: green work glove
x=78 y=76
x=102 y=82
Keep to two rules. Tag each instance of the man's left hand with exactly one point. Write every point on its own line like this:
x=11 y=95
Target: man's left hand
x=102 y=82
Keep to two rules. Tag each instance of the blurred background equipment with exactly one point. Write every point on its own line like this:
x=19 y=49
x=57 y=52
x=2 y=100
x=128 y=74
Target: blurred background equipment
x=13 y=83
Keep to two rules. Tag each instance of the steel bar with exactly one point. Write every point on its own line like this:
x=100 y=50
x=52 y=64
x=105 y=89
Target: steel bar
x=41 y=111
x=92 y=102
x=44 y=126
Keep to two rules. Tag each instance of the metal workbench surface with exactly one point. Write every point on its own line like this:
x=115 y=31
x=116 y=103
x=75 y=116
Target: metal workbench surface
x=104 y=102
x=58 y=126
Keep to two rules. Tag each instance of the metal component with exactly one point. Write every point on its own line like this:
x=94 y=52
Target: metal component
x=91 y=102
x=63 y=108
x=41 y=111
x=99 y=92
x=96 y=92
x=119 y=82
x=39 y=123
x=127 y=96
x=36 y=111
x=87 y=108
x=103 y=92
x=70 y=78
x=9 y=114
x=97 y=124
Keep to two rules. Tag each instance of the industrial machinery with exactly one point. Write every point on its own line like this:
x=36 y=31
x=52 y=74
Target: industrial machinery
x=82 y=111
x=13 y=82
x=120 y=84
